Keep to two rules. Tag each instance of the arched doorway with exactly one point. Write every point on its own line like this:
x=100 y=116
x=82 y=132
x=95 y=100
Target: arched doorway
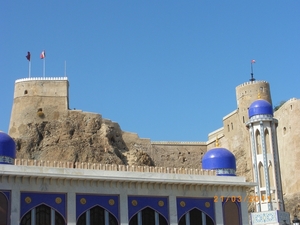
x=231 y=213
x=3 y=209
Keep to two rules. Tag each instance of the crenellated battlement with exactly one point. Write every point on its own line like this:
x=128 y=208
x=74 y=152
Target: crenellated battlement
x=252 y=82
x=177 y=143
x=111 y=167
x=40 y=79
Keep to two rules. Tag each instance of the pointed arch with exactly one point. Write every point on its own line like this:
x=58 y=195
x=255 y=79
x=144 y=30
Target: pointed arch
x=262 y=181
x=231 y=213
x=195 y=216
x=148 y=216
x=267 y=140
x=258 y=142
x=97 y=215
x=271 y=175
x=42 y=214
x=3 y=209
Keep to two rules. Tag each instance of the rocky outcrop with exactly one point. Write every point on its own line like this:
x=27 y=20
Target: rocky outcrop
x=78 y=137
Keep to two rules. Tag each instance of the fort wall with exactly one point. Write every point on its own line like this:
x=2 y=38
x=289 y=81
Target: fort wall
x=178 y=154
x=288 y=136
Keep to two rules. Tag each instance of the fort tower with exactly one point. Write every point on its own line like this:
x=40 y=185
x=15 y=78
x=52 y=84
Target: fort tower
x=36 y=99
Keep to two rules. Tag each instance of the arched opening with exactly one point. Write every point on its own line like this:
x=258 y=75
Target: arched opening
x=267 y=141
x=95 y=216
x=262 y=182
x=25 y=92
x=271 y=175
x=42 y=214
x=231 y=213
x=197 y=217
x=148 y=216
x=3 y=209
x=258 y=142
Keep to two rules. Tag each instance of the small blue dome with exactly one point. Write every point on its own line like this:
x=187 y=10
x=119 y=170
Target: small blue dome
x=7 y=149
x=260 y=107
x=221 y=160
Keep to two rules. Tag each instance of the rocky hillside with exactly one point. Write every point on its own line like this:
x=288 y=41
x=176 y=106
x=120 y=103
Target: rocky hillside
x=78 y=137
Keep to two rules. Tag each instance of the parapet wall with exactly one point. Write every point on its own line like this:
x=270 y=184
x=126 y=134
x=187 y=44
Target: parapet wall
x=178 y=143
x=41 y=86
x=40 y=78
x=112 y=167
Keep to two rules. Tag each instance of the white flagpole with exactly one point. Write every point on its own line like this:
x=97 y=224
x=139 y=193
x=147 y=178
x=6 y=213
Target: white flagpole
x=65 y=68
x=29 y=69
x=44 y=66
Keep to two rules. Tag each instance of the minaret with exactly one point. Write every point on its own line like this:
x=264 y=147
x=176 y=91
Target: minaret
x=266 y=169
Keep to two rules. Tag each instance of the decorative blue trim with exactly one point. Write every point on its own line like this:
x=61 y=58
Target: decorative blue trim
x=205 y=205
x=259 y=118
x=254 y=161
x=225 y=172
x=97 y=200
x=148 y=201
x=268 y=217
x=6 y=160
x=48 y=199
x=266 y=171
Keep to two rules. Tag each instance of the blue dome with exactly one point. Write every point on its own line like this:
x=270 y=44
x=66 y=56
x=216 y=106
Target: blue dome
x=221 y=160
x=260 y=107
x=7 y=149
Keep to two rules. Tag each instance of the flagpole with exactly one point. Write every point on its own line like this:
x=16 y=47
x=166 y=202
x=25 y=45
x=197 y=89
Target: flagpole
x=65 y=68
x=252 y=79
x=29 y=68
x=44 y=65
x=251 y=72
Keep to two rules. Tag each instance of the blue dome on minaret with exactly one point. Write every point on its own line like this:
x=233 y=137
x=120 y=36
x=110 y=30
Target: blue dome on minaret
x=7 y=149
x=221 y=160
x=260 y=107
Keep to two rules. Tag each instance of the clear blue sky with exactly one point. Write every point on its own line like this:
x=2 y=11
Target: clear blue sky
x=166 y=70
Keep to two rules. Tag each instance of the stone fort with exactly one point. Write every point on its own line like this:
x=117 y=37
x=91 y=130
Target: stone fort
x=42 y=124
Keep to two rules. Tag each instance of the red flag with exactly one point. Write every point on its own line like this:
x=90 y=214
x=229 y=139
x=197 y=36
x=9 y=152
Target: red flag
x=28 y=56
x=43 y=54
x=253 y=61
